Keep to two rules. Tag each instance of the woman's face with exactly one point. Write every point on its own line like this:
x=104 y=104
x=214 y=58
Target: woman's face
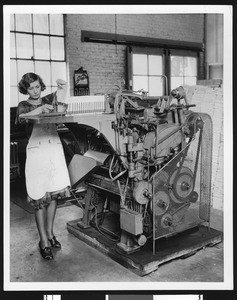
x=34 y=90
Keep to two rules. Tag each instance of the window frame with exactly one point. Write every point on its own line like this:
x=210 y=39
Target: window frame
x=167 y=52
x=184 y=53
x=32 y=59
x=146 y=51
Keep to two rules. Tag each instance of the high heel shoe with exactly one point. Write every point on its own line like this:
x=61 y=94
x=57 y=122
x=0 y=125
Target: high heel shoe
x=54 y=243
x=46 y=252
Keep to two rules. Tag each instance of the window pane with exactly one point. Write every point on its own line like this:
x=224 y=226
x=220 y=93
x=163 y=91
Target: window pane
x=24 y=45
x=12 y=22
x=12 y=45
x=41 y=23
x=57 y=48
x=56 y=24
x=41 y=44
x=13 y=96
x=42 y=68
x=58 y=71
x=190 y=66
x=23 y=22
x=155 y=65
x=140 y=64
x=155 y=86
x=177 y=66
x=13 y=73
x=176 y=82
x=140 y=82
x=24 y=66
x=190 y=80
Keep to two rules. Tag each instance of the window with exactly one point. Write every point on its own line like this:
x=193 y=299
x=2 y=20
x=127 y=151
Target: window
x=37 y=45
x=147 y=71
x=183 y=67
x=158 y=71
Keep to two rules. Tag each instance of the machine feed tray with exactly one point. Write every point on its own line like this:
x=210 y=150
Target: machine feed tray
x=144 y=261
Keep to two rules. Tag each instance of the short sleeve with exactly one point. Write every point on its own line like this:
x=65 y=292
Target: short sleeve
x=22 y=108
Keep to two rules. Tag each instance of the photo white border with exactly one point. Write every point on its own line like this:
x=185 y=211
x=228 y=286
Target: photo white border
x=227 y=11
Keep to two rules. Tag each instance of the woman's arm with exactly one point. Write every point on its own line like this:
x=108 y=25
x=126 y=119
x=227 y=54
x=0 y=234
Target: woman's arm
x=33 y=112
x=24 y=110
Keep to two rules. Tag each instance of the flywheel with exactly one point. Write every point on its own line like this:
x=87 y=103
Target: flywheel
x=181 y=184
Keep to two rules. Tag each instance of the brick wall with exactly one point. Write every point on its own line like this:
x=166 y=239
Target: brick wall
x=210 y=100
x=106 y=63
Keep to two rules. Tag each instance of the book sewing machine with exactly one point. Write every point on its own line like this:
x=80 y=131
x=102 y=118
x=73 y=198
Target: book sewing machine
x=140 y=169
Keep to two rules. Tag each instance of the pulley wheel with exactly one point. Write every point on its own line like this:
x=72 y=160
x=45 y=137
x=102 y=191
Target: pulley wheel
x=182 y=185
x=161 y=203
x=193 y=197
x=141 y=191
x=166 y=221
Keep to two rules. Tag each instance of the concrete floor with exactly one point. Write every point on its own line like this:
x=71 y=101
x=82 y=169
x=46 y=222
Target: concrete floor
x=78 y=262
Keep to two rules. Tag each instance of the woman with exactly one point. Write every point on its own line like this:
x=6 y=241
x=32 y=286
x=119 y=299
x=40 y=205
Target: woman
x=46 y=171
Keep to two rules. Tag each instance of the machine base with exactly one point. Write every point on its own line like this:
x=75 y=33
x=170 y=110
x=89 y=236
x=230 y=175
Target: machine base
x=128 y=249
x=82 y=225
x=144 y=261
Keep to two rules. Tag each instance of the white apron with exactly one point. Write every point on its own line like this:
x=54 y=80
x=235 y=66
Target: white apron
x=46 y=168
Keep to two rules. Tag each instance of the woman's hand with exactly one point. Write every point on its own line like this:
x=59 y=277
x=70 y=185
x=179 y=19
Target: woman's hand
x=47 y=108
x=61 y=90
x=61 y=83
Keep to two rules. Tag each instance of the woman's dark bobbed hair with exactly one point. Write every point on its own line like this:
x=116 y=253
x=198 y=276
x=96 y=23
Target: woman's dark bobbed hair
x=26 y=80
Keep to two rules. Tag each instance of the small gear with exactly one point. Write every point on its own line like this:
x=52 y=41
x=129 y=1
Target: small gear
x=161 y=203
x=167 y=220
x=142 y=191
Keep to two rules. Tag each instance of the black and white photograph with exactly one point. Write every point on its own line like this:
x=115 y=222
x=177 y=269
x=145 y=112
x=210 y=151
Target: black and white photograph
x=118 y=148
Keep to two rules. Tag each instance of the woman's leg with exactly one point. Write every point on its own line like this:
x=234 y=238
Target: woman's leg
x=50 y=212
x=40 y=218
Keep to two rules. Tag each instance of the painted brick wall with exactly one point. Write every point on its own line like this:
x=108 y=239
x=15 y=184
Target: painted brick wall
x=105 y=63
x=210 y=100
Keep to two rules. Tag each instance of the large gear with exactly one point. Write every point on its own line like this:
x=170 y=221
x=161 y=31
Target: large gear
x=182 y=184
